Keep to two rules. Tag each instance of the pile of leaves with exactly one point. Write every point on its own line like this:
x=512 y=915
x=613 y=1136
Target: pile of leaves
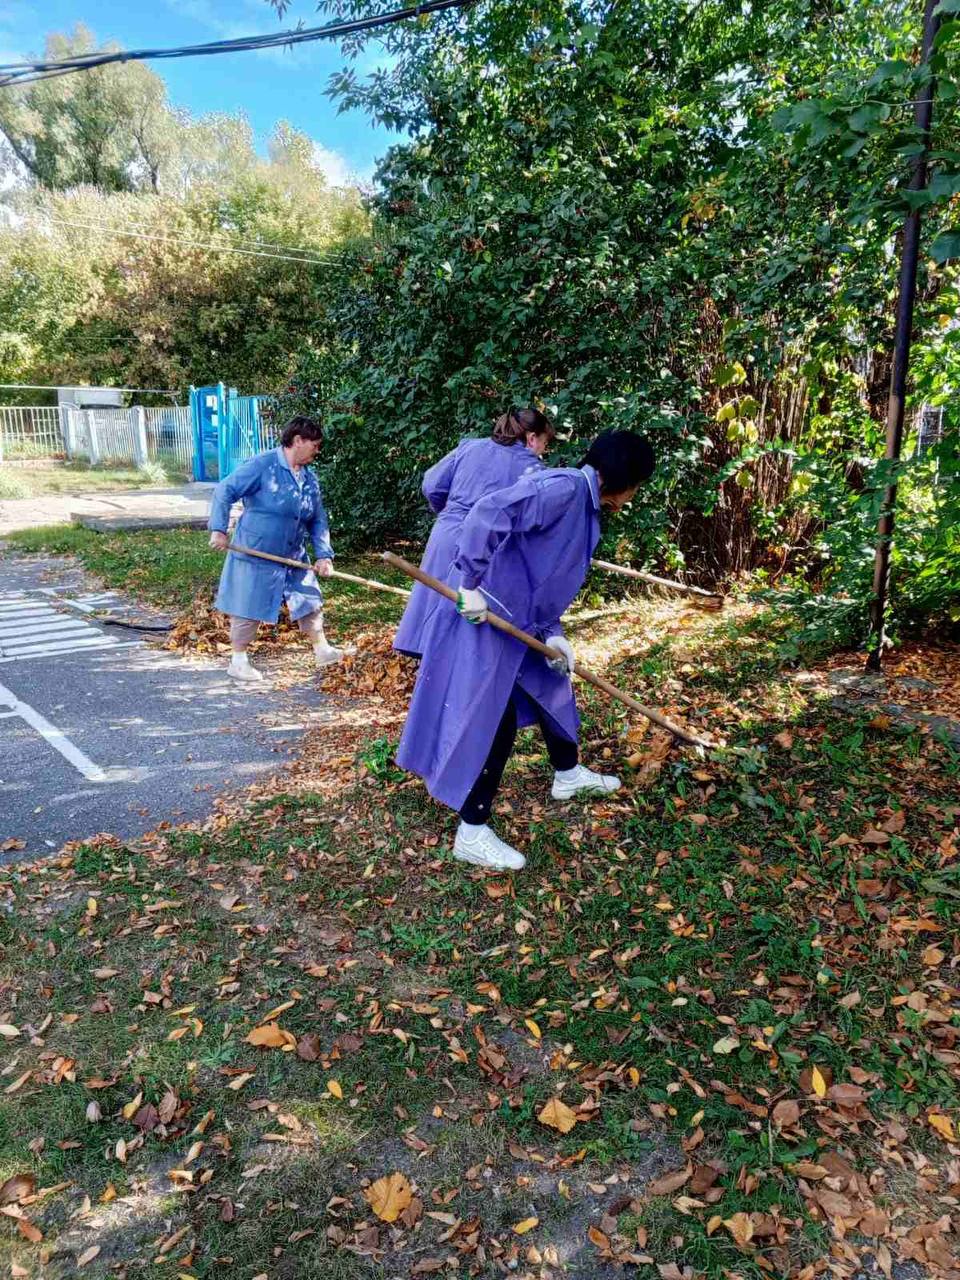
x=204 y=629
x=375 y=670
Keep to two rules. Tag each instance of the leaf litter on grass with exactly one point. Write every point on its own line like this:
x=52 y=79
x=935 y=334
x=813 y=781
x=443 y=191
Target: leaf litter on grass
x=806 y=925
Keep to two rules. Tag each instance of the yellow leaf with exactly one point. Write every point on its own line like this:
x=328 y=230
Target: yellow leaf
x=532 y=1028
x=281 y=1008
x=557 y=1115
x=194 y=1151
x=634 y=1075
x=727 y=1044
x=131 y=1108
x=333 y=1086
x=92 y=907
x=389 y=1196
x=526 y=1225
x=740 y=1227
x=109 y=1193
x=819 y=1083
x=240 y=1081
x=178 y=1033
x=943 y=1125
x=269 y=1036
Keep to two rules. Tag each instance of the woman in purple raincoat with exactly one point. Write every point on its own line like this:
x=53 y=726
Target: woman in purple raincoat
x=528 y=548
x=452 y=487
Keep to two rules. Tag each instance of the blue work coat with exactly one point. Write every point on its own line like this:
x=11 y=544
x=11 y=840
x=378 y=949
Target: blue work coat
x=528 y=548
x=452 y=487
x=279 y=515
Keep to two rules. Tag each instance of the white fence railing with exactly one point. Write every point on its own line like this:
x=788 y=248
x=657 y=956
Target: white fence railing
x=170 y=437
x=126 y=436
x=31 y=432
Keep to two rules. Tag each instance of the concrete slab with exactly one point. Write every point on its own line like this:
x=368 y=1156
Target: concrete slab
x=185 y=502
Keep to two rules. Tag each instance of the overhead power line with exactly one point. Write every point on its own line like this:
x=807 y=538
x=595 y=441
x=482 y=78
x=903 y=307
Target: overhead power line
x=26 y=72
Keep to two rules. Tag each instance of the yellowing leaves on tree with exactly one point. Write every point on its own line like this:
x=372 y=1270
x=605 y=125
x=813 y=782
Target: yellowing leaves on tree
x=389 y=1196
x=557 y=1115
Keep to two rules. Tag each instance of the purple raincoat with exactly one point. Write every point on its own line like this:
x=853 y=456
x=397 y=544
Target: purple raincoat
x=528 y=548
x=452 y=487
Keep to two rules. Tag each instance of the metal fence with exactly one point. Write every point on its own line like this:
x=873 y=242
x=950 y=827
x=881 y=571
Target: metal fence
x=31 y=432
x=170 y=438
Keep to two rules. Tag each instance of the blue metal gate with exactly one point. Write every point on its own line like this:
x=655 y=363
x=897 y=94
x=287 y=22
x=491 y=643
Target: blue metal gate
x=227 y=429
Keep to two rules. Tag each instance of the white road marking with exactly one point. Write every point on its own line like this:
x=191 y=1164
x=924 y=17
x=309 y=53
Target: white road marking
x=35 y=629
x=81 y=647
x=50 y=733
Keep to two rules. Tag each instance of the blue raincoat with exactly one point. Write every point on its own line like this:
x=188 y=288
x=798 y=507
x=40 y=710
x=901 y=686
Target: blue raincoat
x=280 y=511
x=528 y=548
x=452 y=487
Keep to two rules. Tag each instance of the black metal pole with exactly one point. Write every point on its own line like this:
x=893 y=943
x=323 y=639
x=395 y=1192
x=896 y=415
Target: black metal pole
x=910 y=253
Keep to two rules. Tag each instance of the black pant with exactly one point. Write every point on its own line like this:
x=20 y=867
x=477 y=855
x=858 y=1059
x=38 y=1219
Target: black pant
x=562 y=752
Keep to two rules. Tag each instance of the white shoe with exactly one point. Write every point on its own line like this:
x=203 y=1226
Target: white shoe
x=325 y=655
x=240 y=669
x=486 y=849
x=582 y=779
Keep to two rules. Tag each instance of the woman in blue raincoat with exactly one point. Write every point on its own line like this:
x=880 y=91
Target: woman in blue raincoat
x=475 y=468
x=528 y=548
x=282 y=508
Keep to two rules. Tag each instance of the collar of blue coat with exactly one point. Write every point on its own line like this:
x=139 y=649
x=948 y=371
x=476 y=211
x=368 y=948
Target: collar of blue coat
x=281 y=454
x=593 y=480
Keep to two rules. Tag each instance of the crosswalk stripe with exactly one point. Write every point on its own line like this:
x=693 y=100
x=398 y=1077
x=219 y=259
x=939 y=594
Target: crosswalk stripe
x=29 y=629
x=69 y=644
x=82 y=649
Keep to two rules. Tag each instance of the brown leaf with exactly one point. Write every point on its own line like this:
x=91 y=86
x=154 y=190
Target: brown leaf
x=389 y=1196
x=786 y=1114
x=557 y=1115
x=740 y=1227
x=271 y=1036
x=88 y=1255
x=29 y=1231
x=598 y=1238
x=308 y=1047
x=670 y=1182
x=17 y=1188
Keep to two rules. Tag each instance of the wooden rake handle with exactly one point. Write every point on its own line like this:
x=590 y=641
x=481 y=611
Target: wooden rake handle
x=599 y=682
x=302 y=564
x=706 y=598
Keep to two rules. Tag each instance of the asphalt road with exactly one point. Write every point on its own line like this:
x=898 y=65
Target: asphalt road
x=101 y=733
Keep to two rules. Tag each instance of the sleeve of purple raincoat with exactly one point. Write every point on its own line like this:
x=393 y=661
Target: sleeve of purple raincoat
x=437 y=481
x=520 y=508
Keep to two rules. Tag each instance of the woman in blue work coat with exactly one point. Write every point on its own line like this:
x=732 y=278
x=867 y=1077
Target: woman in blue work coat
x=282 y=507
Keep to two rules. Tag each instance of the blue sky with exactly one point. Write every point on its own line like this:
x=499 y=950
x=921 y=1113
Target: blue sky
x=267 y=86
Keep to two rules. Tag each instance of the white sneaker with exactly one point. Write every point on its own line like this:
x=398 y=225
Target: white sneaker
x=582 y=779
x=325 y=655
x=486 y=849
x=241 y=669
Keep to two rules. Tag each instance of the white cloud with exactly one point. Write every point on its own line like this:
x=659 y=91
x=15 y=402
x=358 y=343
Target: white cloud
x=338 y=170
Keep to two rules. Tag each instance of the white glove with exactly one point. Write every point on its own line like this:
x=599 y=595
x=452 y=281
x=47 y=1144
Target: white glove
x=564 y=664
x=472 y=605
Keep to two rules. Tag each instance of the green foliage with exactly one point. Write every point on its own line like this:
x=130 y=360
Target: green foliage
x=679 y=222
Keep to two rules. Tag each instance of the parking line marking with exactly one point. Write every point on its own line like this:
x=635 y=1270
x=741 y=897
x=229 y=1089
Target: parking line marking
x=54 y=736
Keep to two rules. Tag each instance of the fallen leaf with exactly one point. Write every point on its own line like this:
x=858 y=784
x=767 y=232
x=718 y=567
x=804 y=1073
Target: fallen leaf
x=740 y=1227
x=29 y=1231
x=727 y=1044
x=333 y=1086
x=8 y=1031
x=784 y=740
x=270 y=1036
x=670 y=1182
x=88 y=1255
x=17 y=1187
x=557 y=1115
x=389 y=1196
x=942 y=1124
x=532 y=1028
x=526 y=1225
x=786 y=1114
x=819 y=1083
x=239 y=1081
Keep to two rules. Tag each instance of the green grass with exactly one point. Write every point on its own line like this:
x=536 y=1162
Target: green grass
x=52 y=479
x=682 y=956
x=171 y=567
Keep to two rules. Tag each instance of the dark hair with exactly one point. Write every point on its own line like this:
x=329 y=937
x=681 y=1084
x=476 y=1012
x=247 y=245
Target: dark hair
x=515 y=423
x=302 y=426
x=622 y=459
